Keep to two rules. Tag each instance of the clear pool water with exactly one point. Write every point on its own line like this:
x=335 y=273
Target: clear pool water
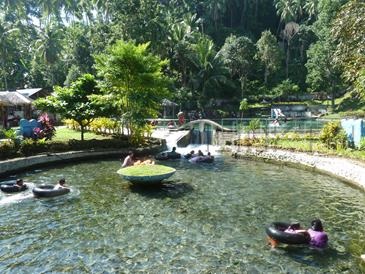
x=208 y=219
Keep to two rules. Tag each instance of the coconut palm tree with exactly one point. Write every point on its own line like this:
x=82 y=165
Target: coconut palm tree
x=209 y=70
x=48 y=46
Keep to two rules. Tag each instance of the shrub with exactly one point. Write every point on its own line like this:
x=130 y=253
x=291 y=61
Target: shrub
x=72 y=124
x=244 y=142
x=47 y=130
x=333 y=136
x=362 y=143
x=7 y=149
x=253 y=125
x=30 y=147
x=105 y=125
x=58 y=147
x=97 y=144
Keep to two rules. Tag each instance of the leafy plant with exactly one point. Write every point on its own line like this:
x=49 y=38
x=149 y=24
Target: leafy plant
x=253 y=125
x=47 y=130
x=7 y=149
x=333 y=136
x=362 y=143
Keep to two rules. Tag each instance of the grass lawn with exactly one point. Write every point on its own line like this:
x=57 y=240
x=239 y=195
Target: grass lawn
x=146 y=170
x=64 y=134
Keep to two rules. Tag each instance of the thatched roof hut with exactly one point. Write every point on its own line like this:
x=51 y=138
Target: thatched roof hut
x=14 y=98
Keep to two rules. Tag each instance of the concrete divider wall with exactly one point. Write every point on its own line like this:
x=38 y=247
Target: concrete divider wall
x=16 y=165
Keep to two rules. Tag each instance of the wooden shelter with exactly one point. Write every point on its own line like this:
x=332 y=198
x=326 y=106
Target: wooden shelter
x=13 y=107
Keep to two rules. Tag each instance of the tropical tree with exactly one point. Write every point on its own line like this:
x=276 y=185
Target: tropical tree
x=7 y=44
x=323 y=75
x=349 y=34
x=269 y=53
x=209 y=71
x=238 y=54
x=285 y=88
x=76 y=52
x=48 y=47
x=134 y=78
x=291 y=29
x=75 y=102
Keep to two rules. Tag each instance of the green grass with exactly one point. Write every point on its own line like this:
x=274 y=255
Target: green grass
x=64 y=134
x=145 y=170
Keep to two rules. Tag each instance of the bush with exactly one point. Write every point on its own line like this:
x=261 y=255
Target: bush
x=244 y=142
x=46 y=131
x=105 y=125
x=97 y=144
x=7 y=149
x=333 y=136
x=58 y=147
x=362 y=143
x=30 y=147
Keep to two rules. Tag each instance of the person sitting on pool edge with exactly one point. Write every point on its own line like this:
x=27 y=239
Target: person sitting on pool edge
x=61 y=184
x=128 y=161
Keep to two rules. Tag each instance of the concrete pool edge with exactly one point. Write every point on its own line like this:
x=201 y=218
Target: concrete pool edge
x=15 y=165
x=347 y=170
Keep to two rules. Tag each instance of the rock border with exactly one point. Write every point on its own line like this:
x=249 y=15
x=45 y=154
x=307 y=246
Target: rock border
x=347 y=170
x=16 y=165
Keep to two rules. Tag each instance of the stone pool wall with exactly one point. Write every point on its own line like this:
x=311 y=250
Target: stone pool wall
x=345 y=169
x=13 y=166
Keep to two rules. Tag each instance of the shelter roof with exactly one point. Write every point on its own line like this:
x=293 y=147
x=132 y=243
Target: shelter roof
x=4 y=100
x=168 y=103
x=14 y=98
x=29 y=91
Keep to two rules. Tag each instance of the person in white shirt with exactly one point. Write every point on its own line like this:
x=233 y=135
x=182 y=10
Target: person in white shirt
x=61 y=184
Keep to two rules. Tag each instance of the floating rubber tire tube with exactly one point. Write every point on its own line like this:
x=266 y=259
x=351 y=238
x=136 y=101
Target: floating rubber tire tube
x=12 y=188
x=201 y=159
x=277 y=232
x=161 y=157
x=47 y=191
x=167 y=156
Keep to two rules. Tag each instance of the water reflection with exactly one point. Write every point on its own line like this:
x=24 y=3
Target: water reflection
x=170 y=189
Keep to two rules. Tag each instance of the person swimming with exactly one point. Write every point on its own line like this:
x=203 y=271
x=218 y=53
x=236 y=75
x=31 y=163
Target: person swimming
x=316 y=235
x=318 y=238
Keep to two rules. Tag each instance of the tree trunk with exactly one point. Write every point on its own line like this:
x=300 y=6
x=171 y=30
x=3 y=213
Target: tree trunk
x=82 y=132
x=287 y=60
x=266 y=74
x=333 y=94
x=243 y=85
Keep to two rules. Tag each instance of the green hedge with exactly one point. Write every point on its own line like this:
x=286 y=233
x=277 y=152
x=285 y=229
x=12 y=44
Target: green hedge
x=28 y=147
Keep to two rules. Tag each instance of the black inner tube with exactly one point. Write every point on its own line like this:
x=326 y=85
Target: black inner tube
x=49 y=191
x=12 y=187
x=276 y=231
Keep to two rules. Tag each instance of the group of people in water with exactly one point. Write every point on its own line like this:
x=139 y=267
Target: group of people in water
x=130 y=160
x=19 y=183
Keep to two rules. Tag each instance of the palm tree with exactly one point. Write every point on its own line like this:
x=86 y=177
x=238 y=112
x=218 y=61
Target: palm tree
x=6 y=43
x=209 y=70
x=47 y=46
x=216 y=10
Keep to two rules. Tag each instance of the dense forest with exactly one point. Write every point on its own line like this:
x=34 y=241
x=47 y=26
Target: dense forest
x=228 y=49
